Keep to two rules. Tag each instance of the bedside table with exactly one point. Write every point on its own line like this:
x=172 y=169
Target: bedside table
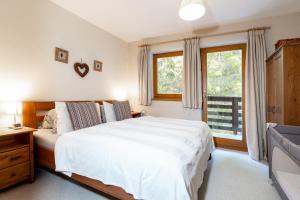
x=136 y=114
x=16 y=156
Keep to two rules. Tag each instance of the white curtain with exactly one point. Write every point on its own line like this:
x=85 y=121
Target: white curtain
x=192 y=87
x=145 y=91
x=255 y=94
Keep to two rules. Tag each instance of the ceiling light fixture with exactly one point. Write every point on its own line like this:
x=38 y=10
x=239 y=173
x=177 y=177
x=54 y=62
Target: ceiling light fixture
x=191 y=10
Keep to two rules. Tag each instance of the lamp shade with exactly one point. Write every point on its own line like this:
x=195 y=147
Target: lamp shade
x=191 y=9
x=13 y=108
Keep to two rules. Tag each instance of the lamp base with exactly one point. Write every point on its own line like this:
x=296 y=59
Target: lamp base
x=16 y=126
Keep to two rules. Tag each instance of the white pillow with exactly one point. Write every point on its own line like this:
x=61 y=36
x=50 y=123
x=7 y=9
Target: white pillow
x=98 y=111
x=63 y=123
x=109 y=112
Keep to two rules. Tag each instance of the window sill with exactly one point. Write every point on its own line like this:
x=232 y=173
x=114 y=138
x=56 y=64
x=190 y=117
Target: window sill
x=166 y=99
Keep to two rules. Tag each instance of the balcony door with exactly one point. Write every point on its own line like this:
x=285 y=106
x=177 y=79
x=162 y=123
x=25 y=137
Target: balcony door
x=223 y=73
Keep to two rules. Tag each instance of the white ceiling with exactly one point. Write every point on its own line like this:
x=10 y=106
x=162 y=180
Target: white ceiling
x=133 y=20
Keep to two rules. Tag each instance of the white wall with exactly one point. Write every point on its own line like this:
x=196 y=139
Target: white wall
x=31 y=29
x=281 y=27
x=29 y=32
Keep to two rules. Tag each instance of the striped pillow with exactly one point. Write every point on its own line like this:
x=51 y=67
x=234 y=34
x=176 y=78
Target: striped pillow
x=83 y=114
x=122 y=110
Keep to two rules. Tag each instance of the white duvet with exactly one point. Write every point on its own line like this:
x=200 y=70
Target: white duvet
x=151 y=158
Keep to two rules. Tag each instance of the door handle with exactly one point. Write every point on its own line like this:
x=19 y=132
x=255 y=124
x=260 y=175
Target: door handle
x=273 y=109
x=204 y=96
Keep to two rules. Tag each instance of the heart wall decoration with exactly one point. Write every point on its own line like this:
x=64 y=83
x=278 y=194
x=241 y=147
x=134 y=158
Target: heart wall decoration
x=82 y=69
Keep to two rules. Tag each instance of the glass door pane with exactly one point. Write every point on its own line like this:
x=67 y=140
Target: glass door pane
x=224 y=93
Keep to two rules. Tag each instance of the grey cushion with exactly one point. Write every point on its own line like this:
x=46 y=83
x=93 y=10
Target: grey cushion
x=83 y=114
x=122 y=110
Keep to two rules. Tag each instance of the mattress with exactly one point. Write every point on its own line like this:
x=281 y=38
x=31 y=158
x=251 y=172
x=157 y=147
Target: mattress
x=151 y=158
x=290 y=183
x=45 y=138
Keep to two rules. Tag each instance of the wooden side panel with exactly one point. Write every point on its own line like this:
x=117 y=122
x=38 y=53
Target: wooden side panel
x=29 y=114
x=292 y=84
x=31 y=157
x=44 y=158
x=111 y=190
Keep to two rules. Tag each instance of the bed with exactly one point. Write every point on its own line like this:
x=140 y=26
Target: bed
x=131 y=159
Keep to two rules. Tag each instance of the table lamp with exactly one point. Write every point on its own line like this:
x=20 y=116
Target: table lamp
x=14 y=108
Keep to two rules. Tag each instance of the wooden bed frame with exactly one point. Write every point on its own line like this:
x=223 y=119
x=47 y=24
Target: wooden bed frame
x=33 y=115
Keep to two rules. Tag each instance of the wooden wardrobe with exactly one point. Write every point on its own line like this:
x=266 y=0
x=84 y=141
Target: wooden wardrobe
x=283 y=84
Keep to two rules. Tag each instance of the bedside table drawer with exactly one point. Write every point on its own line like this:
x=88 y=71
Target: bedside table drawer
x=14 y=157
x=12 y=175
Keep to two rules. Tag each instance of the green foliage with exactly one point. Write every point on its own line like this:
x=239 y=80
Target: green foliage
x=170 y=72
x=224 y=73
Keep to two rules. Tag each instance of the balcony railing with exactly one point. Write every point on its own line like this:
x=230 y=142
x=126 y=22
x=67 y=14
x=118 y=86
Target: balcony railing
x=225 y=114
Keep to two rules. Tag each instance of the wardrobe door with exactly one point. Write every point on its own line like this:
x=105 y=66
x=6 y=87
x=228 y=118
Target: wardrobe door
x=292 y=84
x=278 y=85
x=270 y=78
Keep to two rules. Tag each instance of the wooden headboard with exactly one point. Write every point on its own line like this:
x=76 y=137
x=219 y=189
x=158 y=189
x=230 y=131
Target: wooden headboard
x=34 y=111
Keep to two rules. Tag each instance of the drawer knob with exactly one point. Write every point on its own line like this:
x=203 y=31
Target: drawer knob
x=12 y=175
x=15 y=158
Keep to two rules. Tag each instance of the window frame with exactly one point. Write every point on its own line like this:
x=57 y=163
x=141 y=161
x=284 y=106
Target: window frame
x=156 y=95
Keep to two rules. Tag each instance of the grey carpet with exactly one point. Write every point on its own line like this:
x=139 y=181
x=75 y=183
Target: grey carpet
x=230 y=176
x=233 y=175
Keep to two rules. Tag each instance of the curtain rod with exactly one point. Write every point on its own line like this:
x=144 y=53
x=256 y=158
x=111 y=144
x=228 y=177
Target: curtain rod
x=204 y=36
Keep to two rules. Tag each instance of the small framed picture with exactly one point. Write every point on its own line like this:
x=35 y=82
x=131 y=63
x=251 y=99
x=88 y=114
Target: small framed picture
x=98 y=66
x=61 y=55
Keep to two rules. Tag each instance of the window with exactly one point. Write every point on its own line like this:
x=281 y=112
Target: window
x=168 y=76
